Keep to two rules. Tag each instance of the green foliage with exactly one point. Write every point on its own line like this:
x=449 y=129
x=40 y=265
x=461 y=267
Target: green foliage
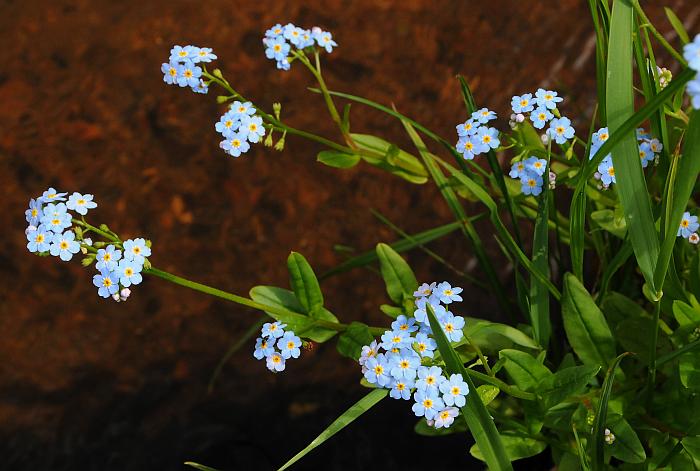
x=351 y=341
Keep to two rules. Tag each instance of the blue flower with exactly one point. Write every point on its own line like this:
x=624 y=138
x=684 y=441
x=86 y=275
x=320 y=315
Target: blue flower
x=531 y=184
x=487 y=139
x=453 y=391
x=129 y=272
x=645 y=154
x=424 y=290
x=642 y=134
x=228 y=123
x=535 y=165
x=136 y=250
x=560 y=130
x=446 y=417
x=203 y=54
x=607 y=171
x=691 y=52
x=517 y=170
x=427 y=405
x=324 y=39
x=395 y=339
x=275 y=31
x=241 y=110
x=689 y=224
x=368 y=351
x=289 y=345
x=201 y=87
x=34 y=212
x=252 y=128
x=404 y=364
x=540 y=117
x=452 y=326
x=188 y=75
x=80 y=203
x=235 y=145
x=276 y=48
x=424 y=345
x=547 y=98
x=284 y=64
x=655 y=145
x=273 y=330
x=107 y=258
x=483 y=116
x=307 y=39
x=447 y=294
x=467 y=128
x=420 y=313
x=275 y=362
x=468 y=146
x=599 y=137
x=106 y=282
x=407 y=324
x=522 y=103
x=181 y=54
x=263 y=348
x=401 y=388
x=429 y=378
x=293 y=34
x=39 y=240
x=51 y=195
x=378 y=370
x=56 y=217
x=170 y=72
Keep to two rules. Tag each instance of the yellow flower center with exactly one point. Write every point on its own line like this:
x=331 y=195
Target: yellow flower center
x=455 y=390
x=486 y=139
x=523 y=102
x=404 y=364
x=106 y=282
x=35 y=213
x=449 y=327
x=107 y=257
x=444 y=415
x=277 y=48
x=448 y=292
x=685 y=223
x=253 y=126
x=548 y=97
x=172 y=71
x=40 y=238
x=188 y=73
x=81 y=202
x=532 y=182
x=182 y=53
x=428 y=403
x=400 y=386
x=611 y=172
x=560 y=130
x=430 y=380
x=604 y=137
x=236 y=143
x=421 y=347
x=129 y=271
x=403 y=327
x=276 y=358
x=136 y=250
x=379 y=369
x=290 y=345
x=63 y=245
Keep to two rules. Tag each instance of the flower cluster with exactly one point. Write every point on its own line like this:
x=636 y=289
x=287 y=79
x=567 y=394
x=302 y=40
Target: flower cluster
x=240 y=127
x=691 y=52
x=649 y=149
x=273 y=335
x=688 y=228
x=279 y=41
x=530 y=172
x=51 y=231
x=406 y=366
x=181 y=69
x=475 y=137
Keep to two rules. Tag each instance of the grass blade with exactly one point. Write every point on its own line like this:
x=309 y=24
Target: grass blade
x=403 y=245
x=356 y=410
x=475 y=413
x=596 y=444
x=539 y=296
x=681 y=187
x=200 y=467
x=677 y=25
x=458 y=211
x=631 y=185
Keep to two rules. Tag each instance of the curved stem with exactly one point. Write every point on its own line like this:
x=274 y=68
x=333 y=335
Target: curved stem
x=96 y=230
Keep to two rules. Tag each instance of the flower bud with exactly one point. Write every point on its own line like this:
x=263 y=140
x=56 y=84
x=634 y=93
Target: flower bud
x=115 y=296
x=217 y=73
x=268 y=140
x=87 y=241
x=280 y=144
x=124 y=294
x=694 y=238
x=221 y=99
x=29 y=229
x=519 y=118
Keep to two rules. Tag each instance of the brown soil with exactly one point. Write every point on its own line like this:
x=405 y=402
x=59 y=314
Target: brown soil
x=91 y=384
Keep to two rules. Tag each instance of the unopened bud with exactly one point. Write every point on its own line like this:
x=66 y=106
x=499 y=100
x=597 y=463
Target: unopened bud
x=280 y=144
x=545 y=138
x=115 y=296
x=221 y=99
x=217 y=73
x=277 y=109
x=694 y=238
x=124 y=294
x=87 y=241
x=268 y=140
x=519 y=118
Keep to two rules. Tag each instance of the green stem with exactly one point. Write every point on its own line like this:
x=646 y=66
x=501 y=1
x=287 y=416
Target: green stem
x=676 y=353
x=503 y=386
x=96 y=230
x=645 y=23
x=651 y=379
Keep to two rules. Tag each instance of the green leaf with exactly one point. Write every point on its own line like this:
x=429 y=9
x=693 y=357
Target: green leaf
x=630 y=185
x=475 y=413
x=692 y=446
x=565 y=383
x=626 y=446
x=677 y=25
x=516 y=448
x=689 y=370
x=393 y=159
x=685 y=314
x=356 y=336
x=359 y=408
x=612 y=221
x=596 y=444
x=681 y=185
x=295 y=319
x=402 y=245
x=399 y=278
x=585 y=326
x=304 y=282
x=525 y=370
x=495 y=336
x=200 y=467
x=487 y=393
x=336 y=159
x=618 y=307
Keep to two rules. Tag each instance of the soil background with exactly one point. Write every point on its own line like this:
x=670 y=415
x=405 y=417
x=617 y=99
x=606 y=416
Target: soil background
x=95 y=385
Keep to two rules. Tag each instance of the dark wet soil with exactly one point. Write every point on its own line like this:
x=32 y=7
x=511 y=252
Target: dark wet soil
x=94 y=385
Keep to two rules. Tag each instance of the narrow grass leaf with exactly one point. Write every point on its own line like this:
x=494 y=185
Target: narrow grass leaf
x=677 y=25
x=359 y=408
x=539 y=296
x=200 y=467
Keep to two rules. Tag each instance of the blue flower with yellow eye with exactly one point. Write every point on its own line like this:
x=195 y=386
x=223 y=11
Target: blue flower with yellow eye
x=395 y=339
x=235 y=145
x=325 y=40
x=428 y=404
x=560 y=130
x=535 y=165
x=404 y=365
x=273 y=330
x=81 y=203
x=522 y=103
x=39 y=240
x=106 y=282
x=55 y=217
x=181 y=54
x=454 y=390
x=645 y=154
x=189 y=74
x=607 y=171
x=540 y=117
x=289 y=345
x=483 y=116
x=452 y=326
x=468 y=146
x=531 y=184
x=171 y=71
x=136 y=250
x=429 y=378
x=129 y=272
x=241 y=110
x=378 y=370
x=293 y=34
x=263 y=348
x=517 y=169
x=203 y=54
x=445 y=417
x=108 y=258
x=51 y=196
x=276 y=48
x=487 y=138
x=228 y=123
x=252 y=128
x=547 y=98
x=34 y=212
x=64 y=246
x=467 y=128
x=275 y=31
x=424 y=345
x=275 y=362
x=689 y=224
x=406 y=324
x=401 y=388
